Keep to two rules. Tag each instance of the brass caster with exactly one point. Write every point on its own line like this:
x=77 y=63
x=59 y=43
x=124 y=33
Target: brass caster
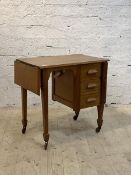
x=24 y=130
x=98 y=129
x=45 y=145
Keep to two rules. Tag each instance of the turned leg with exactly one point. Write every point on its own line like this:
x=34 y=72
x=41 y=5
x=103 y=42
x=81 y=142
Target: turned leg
x=44 y=98
x=76 y=115
x=24 y=109
x=100 y=110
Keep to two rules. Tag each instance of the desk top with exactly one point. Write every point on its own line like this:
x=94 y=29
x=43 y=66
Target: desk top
x=58 y=61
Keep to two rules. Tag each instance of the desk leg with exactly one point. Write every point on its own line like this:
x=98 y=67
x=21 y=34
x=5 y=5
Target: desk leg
x=100 y=107
x=76 y=115
x=76 y=100
x=24 y=109
x=44 y=98
x=100 y=110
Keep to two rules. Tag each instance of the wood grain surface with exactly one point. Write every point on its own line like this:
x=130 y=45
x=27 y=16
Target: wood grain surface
x=63 y=60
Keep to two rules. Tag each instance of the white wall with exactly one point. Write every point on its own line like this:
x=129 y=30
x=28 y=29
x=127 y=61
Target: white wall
x=53 y=27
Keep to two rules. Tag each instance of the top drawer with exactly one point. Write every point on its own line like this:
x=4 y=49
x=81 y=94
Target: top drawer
x=92 y=70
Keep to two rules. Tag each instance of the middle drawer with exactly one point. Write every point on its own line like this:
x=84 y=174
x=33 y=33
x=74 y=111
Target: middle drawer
x=89 y=86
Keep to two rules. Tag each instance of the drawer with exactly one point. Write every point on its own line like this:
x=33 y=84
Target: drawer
x=90 y=71
x=90 y=86
x=88 y=100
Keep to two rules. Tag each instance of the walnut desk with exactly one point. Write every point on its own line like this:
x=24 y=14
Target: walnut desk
x=78 y=81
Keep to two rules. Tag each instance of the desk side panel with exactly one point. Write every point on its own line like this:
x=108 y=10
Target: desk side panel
x=62 y=88
x=27 y=77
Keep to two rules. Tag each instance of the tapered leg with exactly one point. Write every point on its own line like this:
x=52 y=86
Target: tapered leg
x=76 y=115
x=100 y=110
x=24 y=109
x=44 y=98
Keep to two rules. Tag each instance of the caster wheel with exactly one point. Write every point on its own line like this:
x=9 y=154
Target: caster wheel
x=45 y=145
x=75 y=117
x=23 y=130
x=98 y=129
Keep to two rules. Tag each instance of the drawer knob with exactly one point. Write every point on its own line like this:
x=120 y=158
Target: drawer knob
x=91 y=100
x=91 y=85
x=92 y=71
x=58 y=74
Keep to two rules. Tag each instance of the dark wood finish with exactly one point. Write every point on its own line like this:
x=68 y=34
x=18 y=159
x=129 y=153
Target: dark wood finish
x=44 y=97
x=90 y=71
x=53 y=86
x=89 y=100
x=64 y=86
x=100 y=109
x=89 y=86
x=63 y=101
x=24 y=109
x=60 y=61
x=104 y=81
x=76 y=104
x=27 y=77
x=76 y=115
x=78 y=81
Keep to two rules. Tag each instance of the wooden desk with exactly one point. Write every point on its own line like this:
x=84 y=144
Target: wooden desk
x=78 y=81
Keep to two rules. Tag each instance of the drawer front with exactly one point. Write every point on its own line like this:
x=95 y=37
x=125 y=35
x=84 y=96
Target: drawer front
x=90 y=71
x=27 y=77
x=88 y=100
x=89 y=86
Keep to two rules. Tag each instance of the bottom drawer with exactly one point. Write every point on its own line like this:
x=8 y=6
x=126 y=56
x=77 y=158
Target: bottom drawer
x=88 y=100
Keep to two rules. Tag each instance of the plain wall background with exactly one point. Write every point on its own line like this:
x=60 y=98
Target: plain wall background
x=56 y=27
